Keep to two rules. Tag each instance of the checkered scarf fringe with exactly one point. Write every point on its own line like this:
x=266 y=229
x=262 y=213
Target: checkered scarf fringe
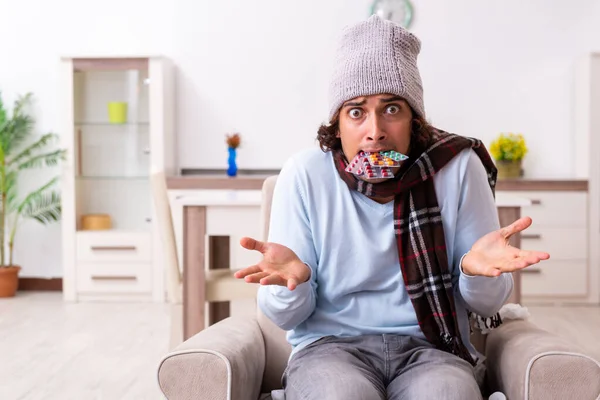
x=420 y=233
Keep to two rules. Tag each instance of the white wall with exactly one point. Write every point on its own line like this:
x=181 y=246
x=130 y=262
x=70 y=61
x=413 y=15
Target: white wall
x=261 y=67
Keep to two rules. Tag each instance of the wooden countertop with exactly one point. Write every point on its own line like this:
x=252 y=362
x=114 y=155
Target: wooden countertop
x=195 y=182
x=254 y=182
x=525 y=184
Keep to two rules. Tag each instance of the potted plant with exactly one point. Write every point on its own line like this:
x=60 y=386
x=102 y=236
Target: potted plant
x=508 y=150
x=20 y=151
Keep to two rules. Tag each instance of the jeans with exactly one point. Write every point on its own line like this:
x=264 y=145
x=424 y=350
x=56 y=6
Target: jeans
x=378 y=367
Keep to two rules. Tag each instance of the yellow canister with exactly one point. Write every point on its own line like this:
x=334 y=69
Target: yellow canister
x=117 y=112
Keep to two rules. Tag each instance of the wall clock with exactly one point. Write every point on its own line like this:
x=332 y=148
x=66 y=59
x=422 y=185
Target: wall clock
x=398 y=11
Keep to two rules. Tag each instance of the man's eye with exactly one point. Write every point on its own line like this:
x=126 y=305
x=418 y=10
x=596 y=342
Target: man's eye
x=392 y=109
x=355 y=113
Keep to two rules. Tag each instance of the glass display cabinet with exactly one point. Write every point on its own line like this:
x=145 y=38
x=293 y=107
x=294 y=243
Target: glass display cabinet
x=117 y=128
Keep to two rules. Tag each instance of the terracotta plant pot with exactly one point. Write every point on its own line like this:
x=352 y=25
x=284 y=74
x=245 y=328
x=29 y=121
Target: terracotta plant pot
x=509 y=169
x=9 y=280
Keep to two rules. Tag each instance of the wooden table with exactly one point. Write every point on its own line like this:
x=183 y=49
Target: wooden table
x=201 y=199
x=197 y=194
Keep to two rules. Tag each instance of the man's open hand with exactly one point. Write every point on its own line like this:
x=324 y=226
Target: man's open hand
x=279 y=266
x=491 y=255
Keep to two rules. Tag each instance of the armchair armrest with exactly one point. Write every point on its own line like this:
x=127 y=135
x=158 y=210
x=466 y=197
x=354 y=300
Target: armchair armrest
x=526 y=362
x=225 y=361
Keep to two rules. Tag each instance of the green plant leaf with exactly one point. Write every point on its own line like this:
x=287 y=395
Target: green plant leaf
x=18 y=127
x=21 y=102
x=44 y=207
x=49 y=159
x=35 y=194
x=33 y=148
x=15 y=132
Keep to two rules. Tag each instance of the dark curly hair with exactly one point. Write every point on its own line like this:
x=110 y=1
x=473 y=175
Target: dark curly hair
x=421 y=133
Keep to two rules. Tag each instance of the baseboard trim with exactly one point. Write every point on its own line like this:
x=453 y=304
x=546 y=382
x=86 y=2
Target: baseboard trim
x=42 y=284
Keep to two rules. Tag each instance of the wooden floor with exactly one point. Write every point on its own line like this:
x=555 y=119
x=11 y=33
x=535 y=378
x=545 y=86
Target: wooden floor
x=55 y=350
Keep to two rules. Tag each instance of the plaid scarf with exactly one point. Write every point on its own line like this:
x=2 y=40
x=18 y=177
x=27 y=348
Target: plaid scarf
x=420 y=233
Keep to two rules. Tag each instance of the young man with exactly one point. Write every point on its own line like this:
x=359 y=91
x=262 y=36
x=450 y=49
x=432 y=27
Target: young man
x=374 y=279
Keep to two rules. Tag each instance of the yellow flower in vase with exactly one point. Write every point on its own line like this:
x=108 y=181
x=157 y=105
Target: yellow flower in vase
x=509 y=149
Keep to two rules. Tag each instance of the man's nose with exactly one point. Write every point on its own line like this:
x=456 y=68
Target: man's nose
x=376 y=131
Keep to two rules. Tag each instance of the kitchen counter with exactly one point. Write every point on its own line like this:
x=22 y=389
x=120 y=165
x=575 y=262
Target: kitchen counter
x=528 y=184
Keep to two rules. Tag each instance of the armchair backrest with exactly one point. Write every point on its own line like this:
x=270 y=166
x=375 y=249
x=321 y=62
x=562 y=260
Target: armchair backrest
x=277 y=349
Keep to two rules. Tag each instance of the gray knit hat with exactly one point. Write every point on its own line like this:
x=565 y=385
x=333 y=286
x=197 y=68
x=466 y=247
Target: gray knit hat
x=376 y=56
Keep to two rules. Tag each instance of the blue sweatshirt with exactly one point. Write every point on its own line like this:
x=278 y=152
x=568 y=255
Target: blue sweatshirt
x=348 y=241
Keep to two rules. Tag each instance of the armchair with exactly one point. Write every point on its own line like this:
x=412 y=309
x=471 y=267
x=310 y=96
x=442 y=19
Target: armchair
x=243 y=358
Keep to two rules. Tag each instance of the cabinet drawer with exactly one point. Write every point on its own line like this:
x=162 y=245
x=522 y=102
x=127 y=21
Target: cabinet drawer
x=114 y=246
x=555 y=209
x=555 y=278
x=114 y=277
x=560 y=243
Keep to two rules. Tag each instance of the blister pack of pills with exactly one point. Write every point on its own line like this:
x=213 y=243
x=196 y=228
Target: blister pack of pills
x=375 y=165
